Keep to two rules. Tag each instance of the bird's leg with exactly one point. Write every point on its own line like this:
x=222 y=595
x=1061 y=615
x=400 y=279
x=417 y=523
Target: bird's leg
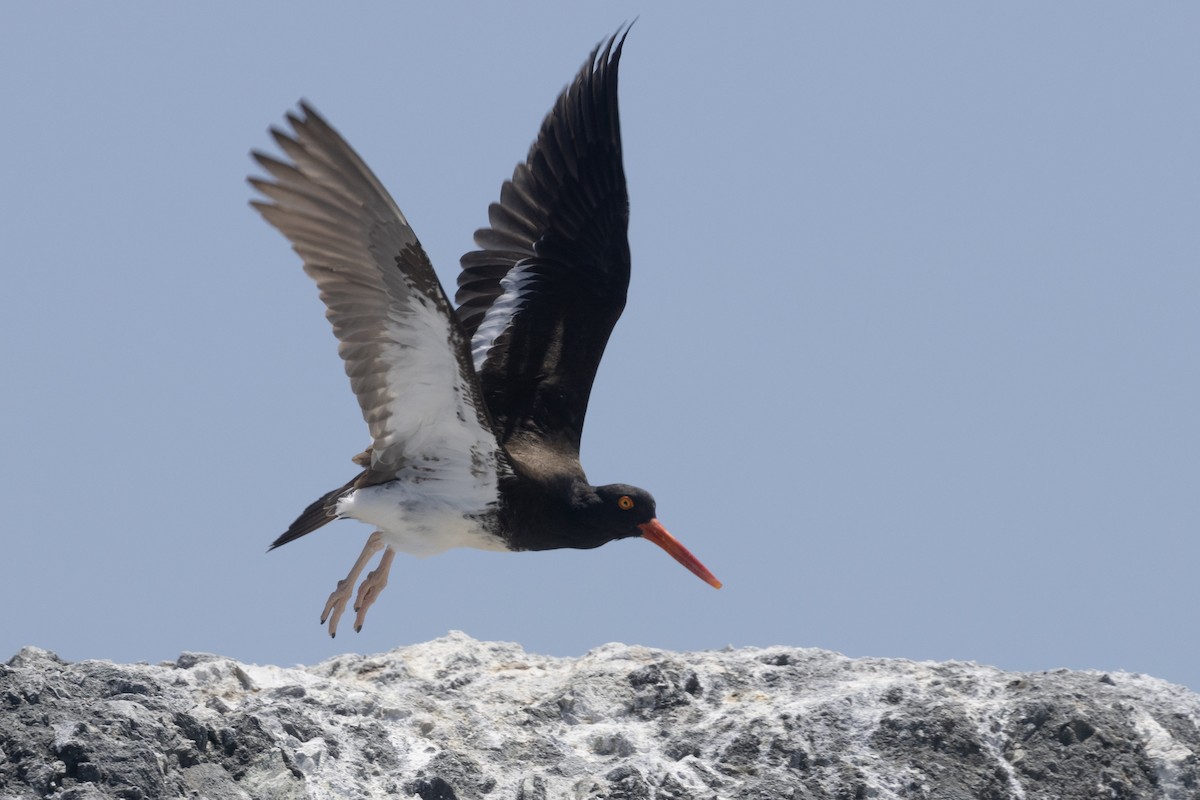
x=370 y=589
x=341 y=595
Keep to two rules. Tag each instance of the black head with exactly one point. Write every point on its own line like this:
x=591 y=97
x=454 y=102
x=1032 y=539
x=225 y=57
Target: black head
x=620 y=511
x=600 y=514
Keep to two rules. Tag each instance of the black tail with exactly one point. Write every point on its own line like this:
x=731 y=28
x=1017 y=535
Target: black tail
x=317 y=514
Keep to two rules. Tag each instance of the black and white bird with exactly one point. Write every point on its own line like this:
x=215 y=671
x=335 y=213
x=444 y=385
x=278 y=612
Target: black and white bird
x=475 y=413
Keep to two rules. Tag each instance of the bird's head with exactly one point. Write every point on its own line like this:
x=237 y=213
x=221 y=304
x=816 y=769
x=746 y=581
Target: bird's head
x=620 y=511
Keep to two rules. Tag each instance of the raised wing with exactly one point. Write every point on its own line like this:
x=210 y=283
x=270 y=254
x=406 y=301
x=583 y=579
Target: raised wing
x=406 y=355
x=541 y=296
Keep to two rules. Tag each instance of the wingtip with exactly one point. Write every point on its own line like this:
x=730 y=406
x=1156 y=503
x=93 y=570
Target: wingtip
x=282 y=137
x=258 y=183
x=296 y=121
x=264 y=160
x=624 y=30
x=616 y=42
x=311 y=119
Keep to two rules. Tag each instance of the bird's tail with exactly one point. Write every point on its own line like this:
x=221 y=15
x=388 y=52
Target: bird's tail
x=317 y=514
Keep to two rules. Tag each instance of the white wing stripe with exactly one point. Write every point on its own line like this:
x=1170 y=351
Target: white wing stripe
x=517 y=285
x=432 y=420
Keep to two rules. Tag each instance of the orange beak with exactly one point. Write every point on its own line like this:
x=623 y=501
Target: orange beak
x=655 y=532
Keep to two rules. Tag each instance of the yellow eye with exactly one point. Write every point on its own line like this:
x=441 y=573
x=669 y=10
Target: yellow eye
x=625 y=502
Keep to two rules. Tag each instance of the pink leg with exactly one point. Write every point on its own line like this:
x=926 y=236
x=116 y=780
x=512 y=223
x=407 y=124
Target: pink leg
x=369 y=590
x=341 y=595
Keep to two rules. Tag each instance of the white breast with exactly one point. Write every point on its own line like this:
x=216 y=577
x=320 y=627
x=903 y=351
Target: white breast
x=416 y=521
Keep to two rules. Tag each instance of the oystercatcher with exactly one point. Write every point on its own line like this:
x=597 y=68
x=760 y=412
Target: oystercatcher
x=475 y=413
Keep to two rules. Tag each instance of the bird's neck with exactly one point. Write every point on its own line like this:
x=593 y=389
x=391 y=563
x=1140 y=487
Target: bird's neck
x=546 y=514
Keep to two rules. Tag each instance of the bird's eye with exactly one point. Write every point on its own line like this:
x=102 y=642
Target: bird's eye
x=625 y=502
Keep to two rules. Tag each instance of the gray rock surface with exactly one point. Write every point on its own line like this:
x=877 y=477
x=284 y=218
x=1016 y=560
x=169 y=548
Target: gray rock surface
x=457 y=718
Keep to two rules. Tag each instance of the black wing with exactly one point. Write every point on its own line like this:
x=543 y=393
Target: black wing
x=541 y=296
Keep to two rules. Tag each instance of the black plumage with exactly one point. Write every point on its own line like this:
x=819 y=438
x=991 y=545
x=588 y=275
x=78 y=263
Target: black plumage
x=476 y=413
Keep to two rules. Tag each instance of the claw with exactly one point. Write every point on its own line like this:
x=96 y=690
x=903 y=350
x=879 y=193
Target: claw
x=336 y=604
x=370 y=589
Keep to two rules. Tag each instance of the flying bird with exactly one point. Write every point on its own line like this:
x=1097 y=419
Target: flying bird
x=475 y=413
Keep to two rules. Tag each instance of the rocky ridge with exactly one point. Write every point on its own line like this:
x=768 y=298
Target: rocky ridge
x=457 y=718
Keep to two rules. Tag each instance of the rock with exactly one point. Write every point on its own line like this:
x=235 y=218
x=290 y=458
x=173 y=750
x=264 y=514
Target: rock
x=455 y=719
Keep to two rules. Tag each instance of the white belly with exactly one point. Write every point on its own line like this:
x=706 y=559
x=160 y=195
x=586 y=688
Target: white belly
x=416 y=522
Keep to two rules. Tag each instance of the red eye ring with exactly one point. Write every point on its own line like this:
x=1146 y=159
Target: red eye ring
x=624 y=502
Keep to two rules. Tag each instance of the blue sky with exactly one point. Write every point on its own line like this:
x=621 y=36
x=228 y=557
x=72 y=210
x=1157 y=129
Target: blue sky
x=910 y=359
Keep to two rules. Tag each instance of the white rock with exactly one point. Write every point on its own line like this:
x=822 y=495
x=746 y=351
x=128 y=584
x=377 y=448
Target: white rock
x=457 y=718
